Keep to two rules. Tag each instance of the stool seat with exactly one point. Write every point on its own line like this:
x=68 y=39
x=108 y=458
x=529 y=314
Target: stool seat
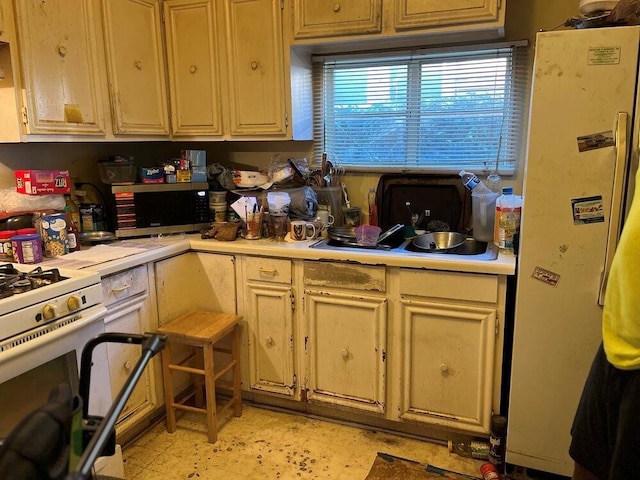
x=202 y=330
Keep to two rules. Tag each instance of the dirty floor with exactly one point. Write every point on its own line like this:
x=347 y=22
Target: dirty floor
x=267 y=444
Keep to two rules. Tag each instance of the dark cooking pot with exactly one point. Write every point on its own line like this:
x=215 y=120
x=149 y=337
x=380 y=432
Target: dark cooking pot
x=439 y=242
x=15 y=222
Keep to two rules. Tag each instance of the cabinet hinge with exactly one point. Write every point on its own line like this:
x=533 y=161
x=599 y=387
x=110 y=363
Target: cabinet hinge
x=499 y=4
x=286 y=120
x=281 y=4
x=497 y=325
x=295 y=382
x=25 y=117
x=293 y=300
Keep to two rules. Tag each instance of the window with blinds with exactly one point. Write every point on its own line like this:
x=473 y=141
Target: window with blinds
x=436 y=111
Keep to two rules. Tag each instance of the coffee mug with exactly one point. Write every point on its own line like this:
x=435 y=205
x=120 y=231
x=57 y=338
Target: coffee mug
x=301 y=230
x=327 y=221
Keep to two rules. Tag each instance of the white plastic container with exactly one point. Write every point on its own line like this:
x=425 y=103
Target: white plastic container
x=483 y=207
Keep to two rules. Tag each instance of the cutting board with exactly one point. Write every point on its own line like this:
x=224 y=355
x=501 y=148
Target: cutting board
x=444 y=196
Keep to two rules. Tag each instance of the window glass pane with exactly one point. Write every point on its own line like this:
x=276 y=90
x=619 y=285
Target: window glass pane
x=434 y=112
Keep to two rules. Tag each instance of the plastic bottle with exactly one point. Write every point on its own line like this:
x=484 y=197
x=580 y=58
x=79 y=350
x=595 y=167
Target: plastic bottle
x=497 y=439
x=471 y=449
x=73 y=234
x=483 y=207
x=373 y=209
x=507 y=219
x=489 y=472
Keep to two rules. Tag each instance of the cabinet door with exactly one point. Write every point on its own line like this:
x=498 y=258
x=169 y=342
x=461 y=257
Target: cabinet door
x=59 y=61
x=346 y=349
x=270 y=336
x=320 y=18
x=194 y=67
x=448 y=364
x=195 y=281
x=130 y=317
x=135 y=65
x=435 y=13
x=256 y=67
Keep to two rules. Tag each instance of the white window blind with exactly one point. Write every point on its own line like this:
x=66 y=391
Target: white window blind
x=432 y=111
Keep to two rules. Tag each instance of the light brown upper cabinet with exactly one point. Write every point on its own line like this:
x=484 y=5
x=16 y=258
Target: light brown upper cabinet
x=322 y=18
x=135 y=66
x=253 y=34
x=58 y=51
x=193 y=55
x=321 y=21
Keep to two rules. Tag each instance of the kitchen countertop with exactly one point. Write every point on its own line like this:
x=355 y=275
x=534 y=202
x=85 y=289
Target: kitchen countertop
x=152 y=249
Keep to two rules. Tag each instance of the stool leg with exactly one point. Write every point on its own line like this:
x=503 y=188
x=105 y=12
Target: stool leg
x=198 y=381
x=168 y=388
x=210 y=388
x=235 y=357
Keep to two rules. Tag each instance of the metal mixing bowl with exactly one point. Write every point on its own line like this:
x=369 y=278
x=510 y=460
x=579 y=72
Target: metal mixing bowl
x=439 y=242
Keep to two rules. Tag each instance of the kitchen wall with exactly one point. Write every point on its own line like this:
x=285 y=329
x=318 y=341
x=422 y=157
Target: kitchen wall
x=523 y=19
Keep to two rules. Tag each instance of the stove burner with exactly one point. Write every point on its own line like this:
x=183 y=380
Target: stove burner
x=13 y=281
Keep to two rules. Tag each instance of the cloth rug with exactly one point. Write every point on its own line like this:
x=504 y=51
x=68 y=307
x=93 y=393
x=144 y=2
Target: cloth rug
x=389 y=467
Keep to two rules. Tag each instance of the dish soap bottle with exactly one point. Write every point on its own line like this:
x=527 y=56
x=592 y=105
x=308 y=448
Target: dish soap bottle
x=373 y=209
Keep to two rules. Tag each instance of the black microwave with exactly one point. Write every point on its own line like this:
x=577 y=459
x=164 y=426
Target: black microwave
x=154 y=208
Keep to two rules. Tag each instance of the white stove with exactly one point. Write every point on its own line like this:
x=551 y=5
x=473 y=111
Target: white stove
x=37 y=298
x=48 y=314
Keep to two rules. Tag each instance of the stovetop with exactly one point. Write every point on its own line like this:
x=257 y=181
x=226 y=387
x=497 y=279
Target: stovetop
x=36 y=295
x=15 y=282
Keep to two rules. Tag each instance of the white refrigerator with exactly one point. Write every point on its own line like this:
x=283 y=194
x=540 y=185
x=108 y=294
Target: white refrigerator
x=580 y=153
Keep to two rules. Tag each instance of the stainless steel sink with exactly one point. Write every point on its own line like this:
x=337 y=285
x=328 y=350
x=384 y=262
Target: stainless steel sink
x=472 y=248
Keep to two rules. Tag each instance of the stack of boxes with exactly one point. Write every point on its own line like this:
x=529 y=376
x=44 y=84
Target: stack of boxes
x=190 y=167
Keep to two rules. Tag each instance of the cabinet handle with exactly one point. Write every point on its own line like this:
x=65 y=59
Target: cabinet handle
x=127 y=366
x=115 y=290
x=345 y=353
x=444 y=368
x=268 y=272
x=336 y=7
x=138 y=64
x=254 y=65
x=193 y=69
x=269 y=341
x=62 y=50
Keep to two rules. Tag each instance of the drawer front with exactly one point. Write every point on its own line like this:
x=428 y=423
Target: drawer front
x=275 y=270
x=123 y=285
x=474 y=287
x=345 y=275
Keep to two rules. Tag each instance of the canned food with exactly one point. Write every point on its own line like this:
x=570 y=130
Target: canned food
x=27 y=248
x=54 y=234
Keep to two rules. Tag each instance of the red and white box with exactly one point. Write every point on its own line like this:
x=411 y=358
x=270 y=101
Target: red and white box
x=43 y=182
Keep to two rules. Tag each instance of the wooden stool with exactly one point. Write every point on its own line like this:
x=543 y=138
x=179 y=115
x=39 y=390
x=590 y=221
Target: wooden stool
x=202 y=329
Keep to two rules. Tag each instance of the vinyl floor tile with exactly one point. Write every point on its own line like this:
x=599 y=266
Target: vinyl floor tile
x=268 y=444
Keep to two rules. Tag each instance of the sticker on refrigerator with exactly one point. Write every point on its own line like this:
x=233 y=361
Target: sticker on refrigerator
x=587 y=210
x=546 y=276
x=603 y=56
x=596 y=140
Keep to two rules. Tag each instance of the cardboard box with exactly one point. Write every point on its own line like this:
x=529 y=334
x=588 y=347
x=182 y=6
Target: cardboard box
x=152 y=175
x=197 y=158
x=198 y=174
x=183 y=176
x=43 y=182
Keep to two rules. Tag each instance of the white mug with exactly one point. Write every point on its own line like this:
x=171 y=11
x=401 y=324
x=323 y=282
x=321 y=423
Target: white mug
x=301 y=230
x=327 y=221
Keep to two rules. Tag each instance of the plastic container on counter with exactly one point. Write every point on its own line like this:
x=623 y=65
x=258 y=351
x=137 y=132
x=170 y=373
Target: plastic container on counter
x=27 y=248
x=6 y=250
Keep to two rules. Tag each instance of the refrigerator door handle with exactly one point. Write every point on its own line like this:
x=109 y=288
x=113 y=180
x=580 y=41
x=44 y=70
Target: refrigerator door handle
x=617 y=198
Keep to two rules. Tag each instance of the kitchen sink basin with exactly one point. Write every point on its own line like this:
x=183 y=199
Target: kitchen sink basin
x=470 y=246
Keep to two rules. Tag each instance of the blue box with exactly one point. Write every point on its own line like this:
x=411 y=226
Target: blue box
x=198 y=174
x=197 y=158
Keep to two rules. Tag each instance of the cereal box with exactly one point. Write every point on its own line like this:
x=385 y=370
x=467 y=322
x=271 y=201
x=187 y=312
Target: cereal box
x=43 y=182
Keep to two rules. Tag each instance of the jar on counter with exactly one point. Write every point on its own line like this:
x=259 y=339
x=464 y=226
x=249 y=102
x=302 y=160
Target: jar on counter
x=6 y=250
x=27 y=248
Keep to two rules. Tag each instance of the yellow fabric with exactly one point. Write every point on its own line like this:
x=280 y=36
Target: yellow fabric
x=621 y=317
